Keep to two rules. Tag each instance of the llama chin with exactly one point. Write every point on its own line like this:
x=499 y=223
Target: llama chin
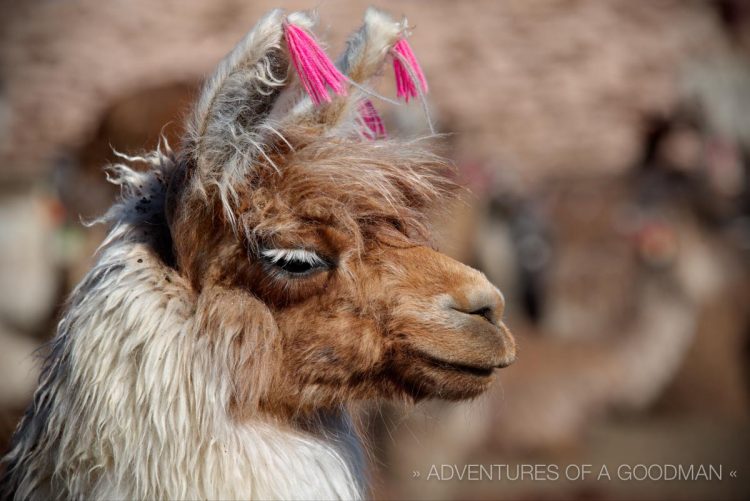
x=250 y=289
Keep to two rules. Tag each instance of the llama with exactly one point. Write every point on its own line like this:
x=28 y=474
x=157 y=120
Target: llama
x=256 y=285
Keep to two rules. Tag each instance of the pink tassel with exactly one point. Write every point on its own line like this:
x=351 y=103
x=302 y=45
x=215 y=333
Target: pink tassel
x=406 y=87
x=316 y=71
x=375 y=129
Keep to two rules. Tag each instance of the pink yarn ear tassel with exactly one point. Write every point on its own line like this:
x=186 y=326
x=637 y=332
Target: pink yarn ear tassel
x=374 y=127
x=316 y=71
x=406 y=86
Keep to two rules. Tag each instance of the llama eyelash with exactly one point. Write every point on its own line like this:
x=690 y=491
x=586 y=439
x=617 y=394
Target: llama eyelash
x=274 y=256
x=285 y=263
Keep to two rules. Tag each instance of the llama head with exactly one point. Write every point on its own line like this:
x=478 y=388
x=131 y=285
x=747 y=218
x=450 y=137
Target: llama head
x=309 y=238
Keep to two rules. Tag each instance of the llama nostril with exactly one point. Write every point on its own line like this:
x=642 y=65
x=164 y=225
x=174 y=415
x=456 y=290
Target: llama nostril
x=479 y=299
x=485 y=312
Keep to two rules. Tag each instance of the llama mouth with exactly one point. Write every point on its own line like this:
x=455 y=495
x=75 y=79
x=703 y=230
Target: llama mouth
x=472 y=370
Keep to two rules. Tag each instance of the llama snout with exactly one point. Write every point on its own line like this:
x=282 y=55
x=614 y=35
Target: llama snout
x=479 y=306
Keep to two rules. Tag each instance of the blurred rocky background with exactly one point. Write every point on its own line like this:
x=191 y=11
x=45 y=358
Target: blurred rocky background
x=607 y=147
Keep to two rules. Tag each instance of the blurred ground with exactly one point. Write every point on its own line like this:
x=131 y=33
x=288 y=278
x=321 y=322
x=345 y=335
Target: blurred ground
x=607 y=146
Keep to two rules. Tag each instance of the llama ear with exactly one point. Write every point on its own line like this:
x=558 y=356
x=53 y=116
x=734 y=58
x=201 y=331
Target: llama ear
x=229 y=124
x=366 y=53
x=368 y=48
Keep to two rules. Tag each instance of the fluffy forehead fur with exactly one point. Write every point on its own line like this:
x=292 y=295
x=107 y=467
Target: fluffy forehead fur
x=348 y=184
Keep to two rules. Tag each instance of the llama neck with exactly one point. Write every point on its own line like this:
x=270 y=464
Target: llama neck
x=134 y=398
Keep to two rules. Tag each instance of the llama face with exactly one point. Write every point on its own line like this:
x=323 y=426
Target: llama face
x=285 y=219
x=387 y=318
x=331 y=251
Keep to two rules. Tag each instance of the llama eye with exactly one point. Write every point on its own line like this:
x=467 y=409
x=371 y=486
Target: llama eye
x=294 y=261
